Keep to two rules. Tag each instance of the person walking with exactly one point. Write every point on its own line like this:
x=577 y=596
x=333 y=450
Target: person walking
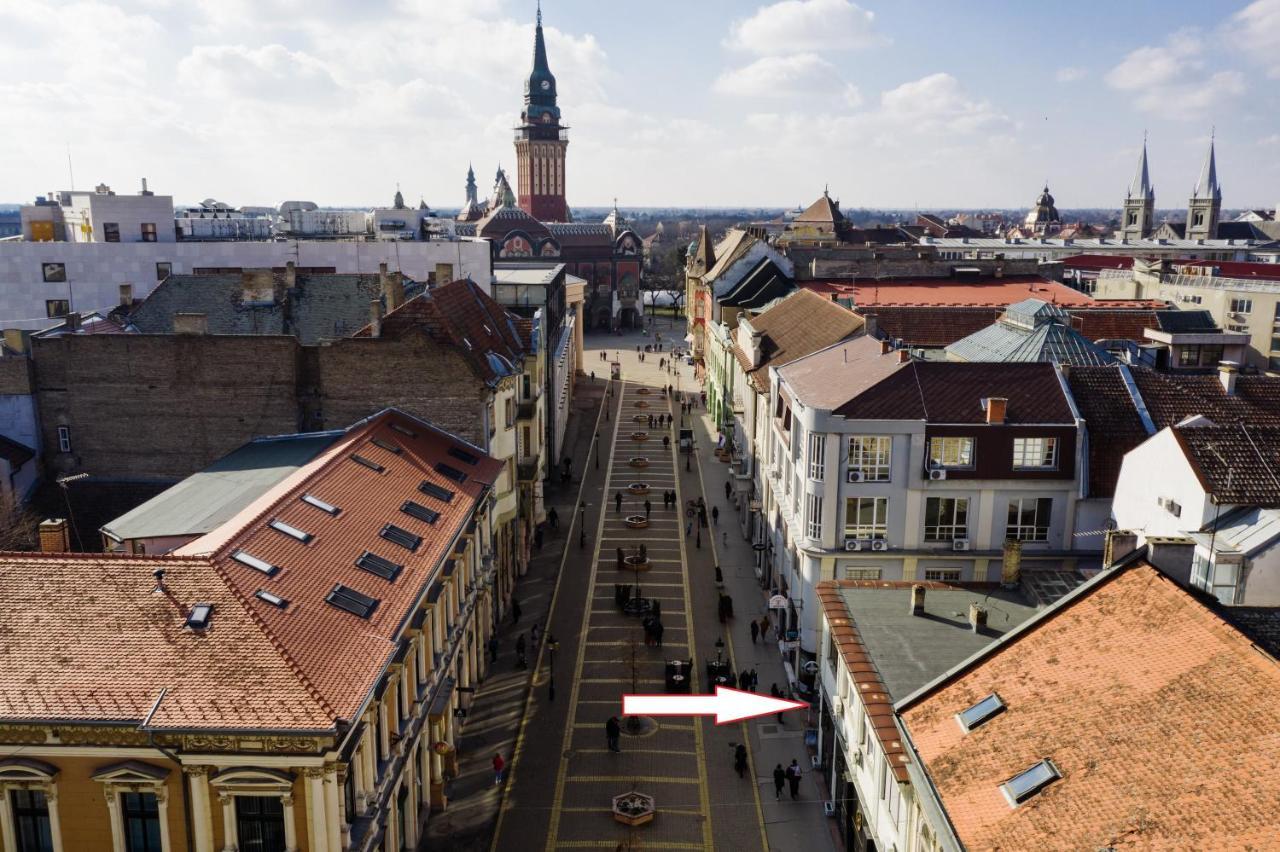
x=755 y=632
x=515 y=611
x=520 y=658
x=553 y=518
x=755 y=679
x=740 y=760
x=493 y=649
x=648 y=507
x=617 y=501
x=613 y=733
x=744 y=681
x=793 y=776
x=533 y=635
x=657 y=632
x=728 y=490
x=498 y=765
x=715 y=515
x=764 y=627
x=776 y=693
x=779 y=781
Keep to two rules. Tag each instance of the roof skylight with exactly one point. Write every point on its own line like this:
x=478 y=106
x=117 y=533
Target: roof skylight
x=386 y=445
x=464 y=456
x=1030 y=781
x=451 y=472
x=351 y=601
x=198 y=617
x=419 y=511
x=254 y=562
x=374 y=564
x=275 y=600
x=369 y=463
x=312 y=500
x=437 y=491
x=401 y=536
x=290 y=530
x=404 y=430
x=979 y=713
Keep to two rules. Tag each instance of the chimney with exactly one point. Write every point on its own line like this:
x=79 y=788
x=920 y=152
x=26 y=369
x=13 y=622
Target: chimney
x=126 y=295
x=1117 y=545
x=53 y=536
x=999 y=271
x=375 y=318
x=290 y=275
x=977 y=618
x=73 y=321
x=1011 y=565
x=996 y=410
x=1227 y=372
x=917 y=599
x=159 y=575
x=886 y=346
x=145 y=191
x=870 y=326
x=904 y=355
x=835 y=297
x=392 y=287
x=190 y=323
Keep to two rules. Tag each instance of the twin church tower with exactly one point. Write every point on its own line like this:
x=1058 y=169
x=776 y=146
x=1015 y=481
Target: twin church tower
x=1203 y=210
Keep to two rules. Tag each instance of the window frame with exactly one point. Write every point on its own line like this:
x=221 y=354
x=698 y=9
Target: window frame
x=64 y=439
x=878 y=530
x=817 y=457
x=146 y=816
x=872 y=456
x=813 y=515
x=53 y=271
x=964 y=454
x=53 y=312
x=167 y=266
x=1015 y=528
x=1024 y=457
x=111 y=232
x=1241 y=305
x=27 y=819
x=149 y=236
x=959 y=528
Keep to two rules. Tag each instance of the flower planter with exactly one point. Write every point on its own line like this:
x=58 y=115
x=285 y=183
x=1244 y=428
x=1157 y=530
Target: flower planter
x=639 y=436
x=641 y=404
x=638 y=488
x=636 y=563
x=644 y=391
x=641 y=418
x=634 y=809
x=638 y=461
x=637 y=522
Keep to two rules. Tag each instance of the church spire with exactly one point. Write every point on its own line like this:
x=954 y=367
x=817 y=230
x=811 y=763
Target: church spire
x=472 y=197
x=1207 y=185
x=1141 y=187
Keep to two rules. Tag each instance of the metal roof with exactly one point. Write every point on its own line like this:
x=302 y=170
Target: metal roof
x=207 y=499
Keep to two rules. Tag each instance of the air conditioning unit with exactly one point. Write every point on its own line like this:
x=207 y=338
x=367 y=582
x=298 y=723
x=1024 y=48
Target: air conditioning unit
x=878 y=544
x=960 y=544
x=853 y=544
x=854 y=476
x=837 y=706
x=937 y=473
x=829 y=808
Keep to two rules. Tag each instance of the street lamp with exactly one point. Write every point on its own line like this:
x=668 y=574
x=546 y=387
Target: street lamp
x=552 y=646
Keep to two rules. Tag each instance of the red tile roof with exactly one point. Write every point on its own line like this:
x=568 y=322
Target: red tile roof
x=1114 y=324
x=1112 y=420
x=949 y=392
x=87 y=639
x=1160 y=717
x=799 y=325
x=1097 y=261
x=937 y=292
x=1171 y=398
x=929 y=326
x=1232 y=269
x=1236 y=464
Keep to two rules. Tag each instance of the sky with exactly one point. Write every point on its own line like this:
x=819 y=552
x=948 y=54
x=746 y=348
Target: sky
x=708 y=103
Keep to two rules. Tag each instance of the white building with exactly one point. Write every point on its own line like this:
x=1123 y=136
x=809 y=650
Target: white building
x=101 y=216
x=39 y=280
x=885 y=468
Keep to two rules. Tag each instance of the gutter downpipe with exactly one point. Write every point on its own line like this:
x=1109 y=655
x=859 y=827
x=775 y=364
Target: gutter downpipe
x=182 y=782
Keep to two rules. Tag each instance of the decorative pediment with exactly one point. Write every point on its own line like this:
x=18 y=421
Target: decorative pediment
x=253 y=777
x=27 y=769
x=131 y=772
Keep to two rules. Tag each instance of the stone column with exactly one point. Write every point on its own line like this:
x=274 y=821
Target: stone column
x=357 y=767
x=162 y=810
x=331 y=799
x=318 y=830
x=290 y=827
x=55 y=821
x=201 y=814
x=344 y=819
x=6 y=822
x=230 y=841
x=113 y=813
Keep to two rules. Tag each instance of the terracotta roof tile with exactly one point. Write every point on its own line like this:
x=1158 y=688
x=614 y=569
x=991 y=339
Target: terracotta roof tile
x=949 y=392
x=1160 y=717
x=1172 y=397
x=1237 y=464
x=797 y=326
x=1112 y=419
x=966 y=292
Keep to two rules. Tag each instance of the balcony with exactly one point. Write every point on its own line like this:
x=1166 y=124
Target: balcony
x=526 y=410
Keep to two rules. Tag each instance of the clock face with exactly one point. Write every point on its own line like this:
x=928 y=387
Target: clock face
x=546 y=85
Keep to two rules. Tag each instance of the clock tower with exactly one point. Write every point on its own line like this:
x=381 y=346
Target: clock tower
x=541 y=142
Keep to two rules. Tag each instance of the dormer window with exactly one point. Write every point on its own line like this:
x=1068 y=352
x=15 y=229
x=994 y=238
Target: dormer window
x=1035 y=453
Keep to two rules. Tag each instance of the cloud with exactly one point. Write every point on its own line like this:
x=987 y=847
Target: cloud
x=937 y=102
x=805 y=26
x=1070 y=74
x=1255 y=30
x=1172 y=81
x=269 y=73
x=1157 y=65
x=778 y=76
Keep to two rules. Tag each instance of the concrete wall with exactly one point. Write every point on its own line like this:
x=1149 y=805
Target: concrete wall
x=95 y=271
x=1152 y=470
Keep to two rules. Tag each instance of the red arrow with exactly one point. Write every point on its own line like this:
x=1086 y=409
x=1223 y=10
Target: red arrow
x=727 y=705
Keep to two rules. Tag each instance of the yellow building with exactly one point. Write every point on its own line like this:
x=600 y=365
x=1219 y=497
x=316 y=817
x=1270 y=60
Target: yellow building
x=287 y=681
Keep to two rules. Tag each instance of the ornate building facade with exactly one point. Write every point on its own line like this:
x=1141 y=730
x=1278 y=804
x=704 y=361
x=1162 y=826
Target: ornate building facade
x=541 y=142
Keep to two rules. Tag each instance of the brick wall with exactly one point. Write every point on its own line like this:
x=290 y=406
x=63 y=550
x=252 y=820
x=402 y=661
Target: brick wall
x=15 y=375
x=161 y=406
x=358 y=377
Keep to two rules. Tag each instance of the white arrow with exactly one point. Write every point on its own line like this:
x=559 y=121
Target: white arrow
x=727 y=705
